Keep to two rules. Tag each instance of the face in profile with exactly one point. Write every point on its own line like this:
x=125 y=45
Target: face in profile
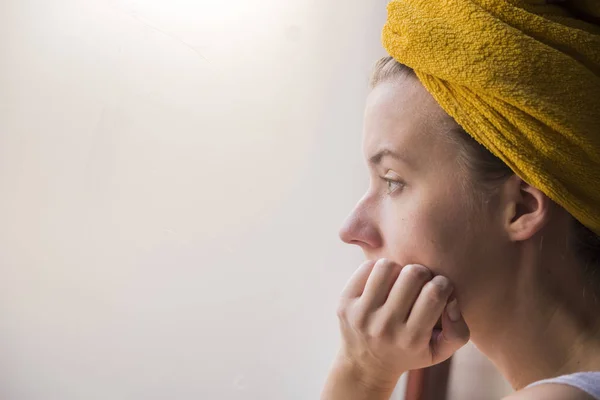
x=420 y=207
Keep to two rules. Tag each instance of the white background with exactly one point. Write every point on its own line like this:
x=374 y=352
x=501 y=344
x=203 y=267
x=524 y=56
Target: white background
x=172 y=178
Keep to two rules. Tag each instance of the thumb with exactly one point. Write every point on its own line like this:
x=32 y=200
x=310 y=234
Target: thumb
x=455 y=333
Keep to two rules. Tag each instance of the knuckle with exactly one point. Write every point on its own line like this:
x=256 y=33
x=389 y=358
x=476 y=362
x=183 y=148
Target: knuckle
x=358 y=318
x=342 y=311
x=412 y=339
x=377 y=332
x=417 y=272
x=360 y=322
x=384 y=263
x=368 y=264
x=443 y=283
x=379 y=329
x=436 y=290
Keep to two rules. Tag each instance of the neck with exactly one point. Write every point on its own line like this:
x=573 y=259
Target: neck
x=547 y=325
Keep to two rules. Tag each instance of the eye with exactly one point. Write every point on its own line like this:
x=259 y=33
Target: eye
x=393 y=185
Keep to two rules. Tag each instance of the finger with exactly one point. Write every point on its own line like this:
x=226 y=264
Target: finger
x=429 y=306
x=455 y=333
x=405 y=291
x=379 y=284
x=356 y=284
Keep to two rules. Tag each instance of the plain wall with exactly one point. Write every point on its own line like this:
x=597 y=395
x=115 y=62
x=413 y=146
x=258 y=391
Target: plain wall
x=172 y=178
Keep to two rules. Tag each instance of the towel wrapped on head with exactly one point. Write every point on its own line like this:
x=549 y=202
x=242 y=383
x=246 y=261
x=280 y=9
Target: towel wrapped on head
x=521 y=77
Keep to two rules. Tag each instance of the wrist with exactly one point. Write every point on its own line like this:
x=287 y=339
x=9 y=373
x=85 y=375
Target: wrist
x=369 y=379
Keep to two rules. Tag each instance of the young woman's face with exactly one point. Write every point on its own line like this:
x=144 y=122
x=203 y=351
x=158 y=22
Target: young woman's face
x=419 y=208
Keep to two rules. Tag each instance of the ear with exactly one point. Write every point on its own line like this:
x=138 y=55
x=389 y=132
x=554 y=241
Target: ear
x=527 y=209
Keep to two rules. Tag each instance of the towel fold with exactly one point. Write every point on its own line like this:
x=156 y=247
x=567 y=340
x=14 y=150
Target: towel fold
x=521 y=77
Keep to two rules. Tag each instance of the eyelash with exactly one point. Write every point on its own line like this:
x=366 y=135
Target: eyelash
x=392 y=182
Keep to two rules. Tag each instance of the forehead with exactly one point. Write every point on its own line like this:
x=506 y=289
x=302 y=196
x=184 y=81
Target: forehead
x=402 y=115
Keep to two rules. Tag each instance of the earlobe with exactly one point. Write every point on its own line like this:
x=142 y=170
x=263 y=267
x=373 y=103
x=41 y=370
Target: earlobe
x=528 y=209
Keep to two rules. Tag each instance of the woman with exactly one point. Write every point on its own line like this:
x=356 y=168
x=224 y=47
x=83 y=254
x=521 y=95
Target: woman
x=482 y=138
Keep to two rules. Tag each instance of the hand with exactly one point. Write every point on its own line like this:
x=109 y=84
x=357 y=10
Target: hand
x=387 y=318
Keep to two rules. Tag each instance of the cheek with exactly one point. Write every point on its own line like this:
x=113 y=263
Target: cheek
x=433 y=233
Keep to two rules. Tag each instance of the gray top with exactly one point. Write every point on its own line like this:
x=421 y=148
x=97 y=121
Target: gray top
x=589 y=382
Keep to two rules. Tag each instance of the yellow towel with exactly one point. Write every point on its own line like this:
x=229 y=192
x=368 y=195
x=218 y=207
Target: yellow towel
x=522 y=77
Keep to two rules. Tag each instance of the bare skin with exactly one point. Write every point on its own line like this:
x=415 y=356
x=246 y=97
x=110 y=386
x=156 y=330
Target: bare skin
x=503 y=257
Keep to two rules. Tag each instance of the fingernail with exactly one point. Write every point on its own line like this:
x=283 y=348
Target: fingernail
x=453 y=311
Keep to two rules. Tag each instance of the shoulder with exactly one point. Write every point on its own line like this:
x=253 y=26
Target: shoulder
x=549 y=391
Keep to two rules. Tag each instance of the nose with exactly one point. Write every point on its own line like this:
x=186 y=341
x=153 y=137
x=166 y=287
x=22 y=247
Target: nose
x=360 y=229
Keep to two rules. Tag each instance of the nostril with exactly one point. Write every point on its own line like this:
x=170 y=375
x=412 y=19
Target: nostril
x=356 y=242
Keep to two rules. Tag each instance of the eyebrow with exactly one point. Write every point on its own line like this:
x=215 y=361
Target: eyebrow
x=377 y=157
